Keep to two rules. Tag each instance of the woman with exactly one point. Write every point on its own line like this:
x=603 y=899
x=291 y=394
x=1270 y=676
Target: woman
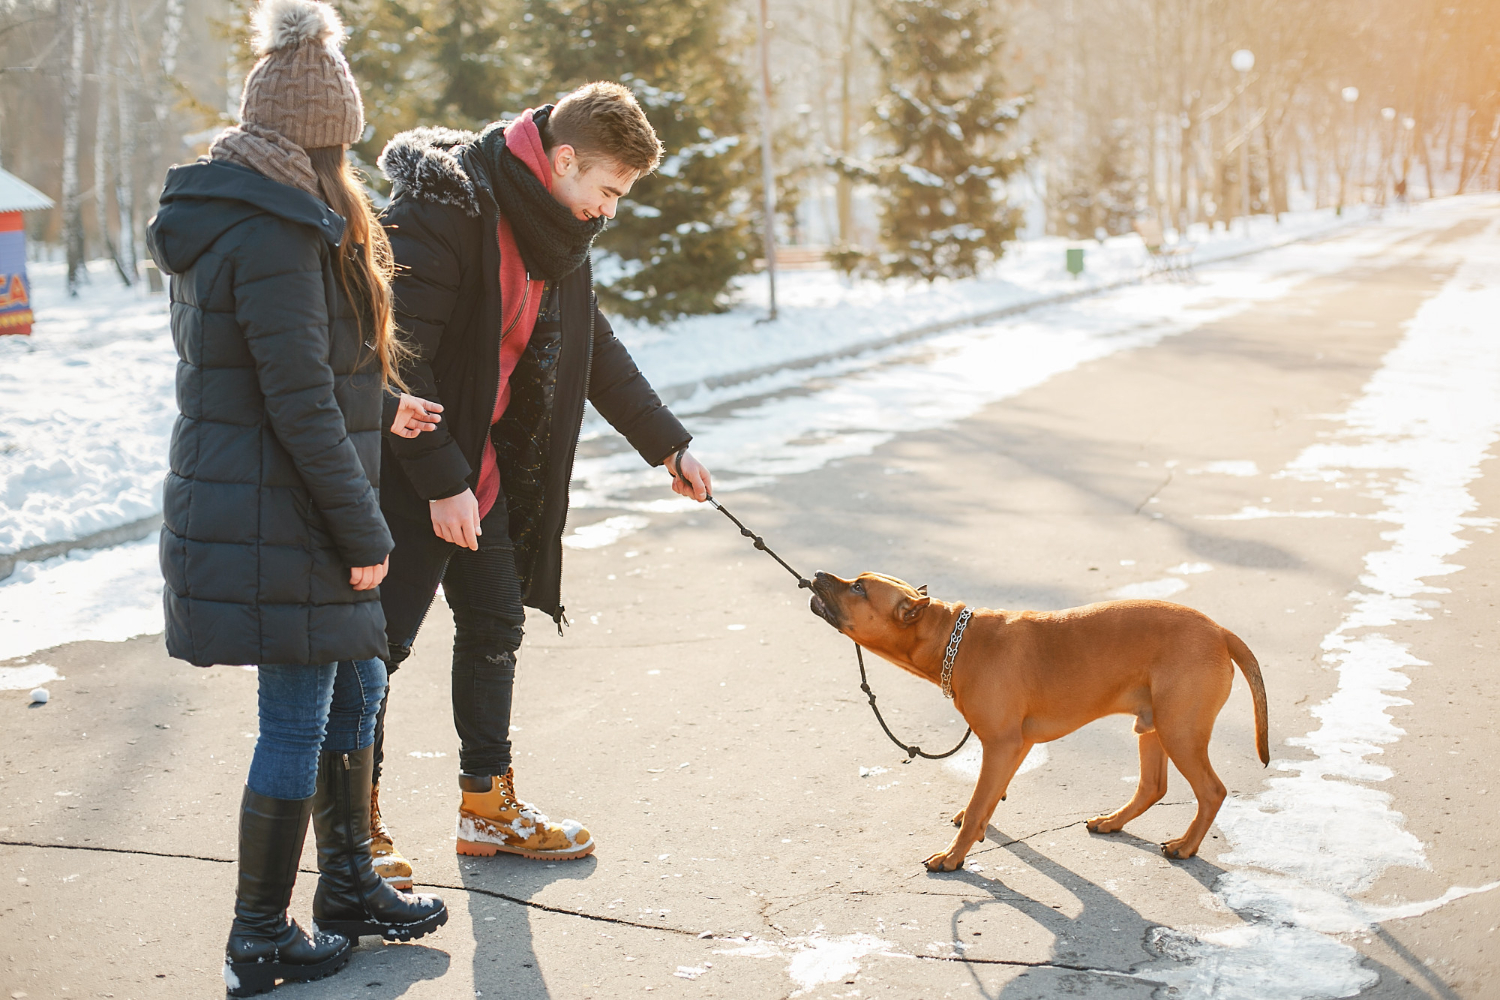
x=273 y=542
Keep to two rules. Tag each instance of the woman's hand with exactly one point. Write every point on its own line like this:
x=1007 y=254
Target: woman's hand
x=689 y=476
x=415 y=415
x=368 y=577
x=456 y=519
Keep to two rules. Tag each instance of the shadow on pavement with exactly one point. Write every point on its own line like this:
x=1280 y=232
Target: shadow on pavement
x=505 y=959
x=1101 y=951
x=377 y=971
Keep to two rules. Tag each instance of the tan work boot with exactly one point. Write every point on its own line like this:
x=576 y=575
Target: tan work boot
x=495 y=820
x=388 y=862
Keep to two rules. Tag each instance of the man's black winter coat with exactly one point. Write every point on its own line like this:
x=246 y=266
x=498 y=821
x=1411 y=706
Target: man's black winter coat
x=271 y=495
x=442 y=222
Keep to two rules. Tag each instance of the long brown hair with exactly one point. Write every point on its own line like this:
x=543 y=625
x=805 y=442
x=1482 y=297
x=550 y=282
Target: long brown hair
x=365 y=264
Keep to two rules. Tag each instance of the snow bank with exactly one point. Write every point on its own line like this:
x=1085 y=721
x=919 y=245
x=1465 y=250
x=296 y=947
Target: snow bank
x=821 y=313
x=86 y=406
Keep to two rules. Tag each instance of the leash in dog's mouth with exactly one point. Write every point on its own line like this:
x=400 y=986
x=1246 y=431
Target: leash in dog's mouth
x=823 y=610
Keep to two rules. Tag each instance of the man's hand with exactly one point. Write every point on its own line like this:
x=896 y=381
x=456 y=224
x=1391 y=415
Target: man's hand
x=456 y=519
x=368 y=577
x=689 y=477
x=415 y=415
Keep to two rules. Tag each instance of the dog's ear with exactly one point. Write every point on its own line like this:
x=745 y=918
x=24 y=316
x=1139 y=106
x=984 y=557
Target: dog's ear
x=922 y=590
x=910 y=610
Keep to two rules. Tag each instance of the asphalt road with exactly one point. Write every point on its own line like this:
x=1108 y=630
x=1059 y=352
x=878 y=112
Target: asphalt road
x=758 y=836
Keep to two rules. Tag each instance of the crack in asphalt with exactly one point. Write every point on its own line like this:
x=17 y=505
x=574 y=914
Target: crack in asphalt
x=963 y=960
x=558 y=909
x=313 y=871
x=1154 y=493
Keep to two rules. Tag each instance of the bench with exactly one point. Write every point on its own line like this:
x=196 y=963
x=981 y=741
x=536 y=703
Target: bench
x=1172 y=259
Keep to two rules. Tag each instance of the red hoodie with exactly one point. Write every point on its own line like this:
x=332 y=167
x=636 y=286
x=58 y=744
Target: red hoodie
x=524 y=140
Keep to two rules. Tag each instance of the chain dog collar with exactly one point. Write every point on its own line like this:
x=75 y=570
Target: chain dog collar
x=953 y=641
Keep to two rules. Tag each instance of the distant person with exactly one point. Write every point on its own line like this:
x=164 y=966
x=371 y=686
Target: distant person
x=273 y=543
x=494 y=290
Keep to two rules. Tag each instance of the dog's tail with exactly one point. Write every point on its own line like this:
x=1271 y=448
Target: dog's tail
x=1250 y=667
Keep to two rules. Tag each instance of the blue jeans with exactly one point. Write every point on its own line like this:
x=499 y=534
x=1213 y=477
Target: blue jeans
x=305 y=710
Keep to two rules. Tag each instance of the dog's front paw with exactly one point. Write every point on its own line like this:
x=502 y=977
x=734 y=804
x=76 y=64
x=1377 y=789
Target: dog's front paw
x=1105 y=824
x=958 y=818
x=945 y=861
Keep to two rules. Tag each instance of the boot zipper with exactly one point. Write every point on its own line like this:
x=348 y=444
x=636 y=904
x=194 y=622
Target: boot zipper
x=348 y=818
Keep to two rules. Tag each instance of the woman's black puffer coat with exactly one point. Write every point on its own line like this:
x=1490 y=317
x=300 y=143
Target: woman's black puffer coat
x=271 y=495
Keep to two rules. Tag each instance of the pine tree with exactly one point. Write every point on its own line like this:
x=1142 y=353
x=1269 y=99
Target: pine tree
x=431 y=62
x=678 y=239
x=947 y=127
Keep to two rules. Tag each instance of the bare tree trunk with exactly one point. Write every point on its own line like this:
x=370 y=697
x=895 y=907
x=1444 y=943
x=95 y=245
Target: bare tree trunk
x=844 y=195
x=125 y=59
x=104 y=70
x=72 y=100
x=166 y=84
x=1427 y=164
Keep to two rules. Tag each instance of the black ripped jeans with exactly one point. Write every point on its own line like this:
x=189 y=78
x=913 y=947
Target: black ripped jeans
x=484 y=593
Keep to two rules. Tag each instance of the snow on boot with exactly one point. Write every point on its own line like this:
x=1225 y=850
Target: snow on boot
x=491 y=819
x=264 y=945
x=388 y=862
x=351 y=899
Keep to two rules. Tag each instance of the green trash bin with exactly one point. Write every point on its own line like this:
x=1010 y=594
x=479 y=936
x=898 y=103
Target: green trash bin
x=1075 y=261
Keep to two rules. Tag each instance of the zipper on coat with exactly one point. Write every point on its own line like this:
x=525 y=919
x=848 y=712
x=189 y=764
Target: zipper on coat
x=588 y=373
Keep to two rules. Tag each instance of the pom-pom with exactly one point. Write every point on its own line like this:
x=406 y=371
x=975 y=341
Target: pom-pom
x=282 y=24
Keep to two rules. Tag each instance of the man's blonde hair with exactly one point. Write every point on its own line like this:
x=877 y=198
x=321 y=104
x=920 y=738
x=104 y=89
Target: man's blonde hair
x=603 y=120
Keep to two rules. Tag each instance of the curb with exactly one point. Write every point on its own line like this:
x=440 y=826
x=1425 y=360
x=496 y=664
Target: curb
x=132 y=532
x=683 y=390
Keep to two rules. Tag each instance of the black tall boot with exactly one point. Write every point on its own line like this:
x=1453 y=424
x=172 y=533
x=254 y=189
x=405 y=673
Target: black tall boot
x=351 y=899
x=264 y=945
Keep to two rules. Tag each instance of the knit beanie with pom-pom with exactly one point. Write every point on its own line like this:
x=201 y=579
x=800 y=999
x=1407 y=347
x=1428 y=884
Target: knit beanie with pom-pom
x=302 y=87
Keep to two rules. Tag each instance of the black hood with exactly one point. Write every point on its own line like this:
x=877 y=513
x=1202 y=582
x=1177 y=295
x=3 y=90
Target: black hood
x=202 y=200
x=429 y=164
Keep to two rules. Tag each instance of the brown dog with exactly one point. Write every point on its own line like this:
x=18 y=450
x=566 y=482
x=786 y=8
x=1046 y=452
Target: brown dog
x=1026 y=677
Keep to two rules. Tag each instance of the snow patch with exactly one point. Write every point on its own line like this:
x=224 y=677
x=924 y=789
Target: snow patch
x=966 y=762
x=28 y=676
x=1150 y=590
x=1230 y=467
x=606 y=532
x=817 y=959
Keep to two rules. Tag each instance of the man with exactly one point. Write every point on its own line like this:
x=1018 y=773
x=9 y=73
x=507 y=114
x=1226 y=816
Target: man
x=491 y=234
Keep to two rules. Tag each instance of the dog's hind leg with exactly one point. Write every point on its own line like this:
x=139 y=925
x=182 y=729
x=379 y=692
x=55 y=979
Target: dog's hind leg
x=1191 y=758
x=998 y=765
x=1152 y=786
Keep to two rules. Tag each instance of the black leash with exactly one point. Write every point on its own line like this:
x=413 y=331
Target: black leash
x=912 y=750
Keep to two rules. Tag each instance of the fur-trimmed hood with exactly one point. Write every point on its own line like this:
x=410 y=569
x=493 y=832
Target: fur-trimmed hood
x=427 y=164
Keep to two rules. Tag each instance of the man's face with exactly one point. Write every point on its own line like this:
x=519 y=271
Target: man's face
x=592 y=191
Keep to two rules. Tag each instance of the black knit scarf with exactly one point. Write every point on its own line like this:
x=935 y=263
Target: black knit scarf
x=553 y=243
